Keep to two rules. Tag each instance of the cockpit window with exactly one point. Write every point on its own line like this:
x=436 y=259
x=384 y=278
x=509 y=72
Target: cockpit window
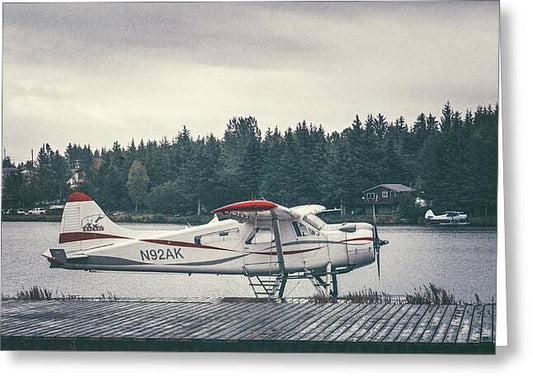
x=301 y=229
x=296 y=228
x=314 y=221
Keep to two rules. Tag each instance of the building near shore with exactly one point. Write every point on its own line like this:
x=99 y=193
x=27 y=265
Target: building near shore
x=386 y=197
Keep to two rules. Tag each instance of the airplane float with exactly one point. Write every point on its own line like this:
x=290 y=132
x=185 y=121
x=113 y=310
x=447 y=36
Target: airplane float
x=447 y=218
x=266 y=242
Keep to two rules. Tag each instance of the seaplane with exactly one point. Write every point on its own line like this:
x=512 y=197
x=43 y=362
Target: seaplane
x=266 y=242
x=450 y=217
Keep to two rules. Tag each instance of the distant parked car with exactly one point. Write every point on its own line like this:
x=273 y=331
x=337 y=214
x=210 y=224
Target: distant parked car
x=55 y=209
x=21 y=212
x=36 y=211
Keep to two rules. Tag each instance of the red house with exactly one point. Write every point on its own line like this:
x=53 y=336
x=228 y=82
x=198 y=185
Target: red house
x=386 y=196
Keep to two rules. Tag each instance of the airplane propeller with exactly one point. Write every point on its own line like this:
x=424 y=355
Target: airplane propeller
x=377 y=243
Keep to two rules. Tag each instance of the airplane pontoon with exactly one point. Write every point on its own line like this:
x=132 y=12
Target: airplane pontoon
x=266 y=242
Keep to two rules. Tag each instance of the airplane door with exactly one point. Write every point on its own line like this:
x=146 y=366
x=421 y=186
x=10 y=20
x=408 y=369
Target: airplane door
x=306 y=249
x=260 y=244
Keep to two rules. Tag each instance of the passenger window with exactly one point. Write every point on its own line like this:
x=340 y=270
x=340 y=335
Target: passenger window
x=260 y=236
x=218 y=237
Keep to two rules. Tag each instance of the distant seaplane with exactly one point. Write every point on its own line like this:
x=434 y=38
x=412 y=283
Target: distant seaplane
x=449 y=217
x=266 y=242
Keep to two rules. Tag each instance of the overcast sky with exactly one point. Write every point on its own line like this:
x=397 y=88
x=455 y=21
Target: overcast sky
x=94 y=73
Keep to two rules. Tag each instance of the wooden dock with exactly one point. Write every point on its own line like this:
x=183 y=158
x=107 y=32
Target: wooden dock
x=195 y=324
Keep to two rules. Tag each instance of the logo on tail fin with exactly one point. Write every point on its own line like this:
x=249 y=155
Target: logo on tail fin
x=91 y=223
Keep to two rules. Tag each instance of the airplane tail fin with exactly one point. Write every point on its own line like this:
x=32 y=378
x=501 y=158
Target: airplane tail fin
x=85 y=224
x=429 y=215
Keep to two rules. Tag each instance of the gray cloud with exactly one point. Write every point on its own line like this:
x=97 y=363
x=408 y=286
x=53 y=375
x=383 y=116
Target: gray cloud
x=98 y=72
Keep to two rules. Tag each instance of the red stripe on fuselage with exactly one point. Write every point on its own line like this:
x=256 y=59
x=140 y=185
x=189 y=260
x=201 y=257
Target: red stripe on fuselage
x=285 y=252
x=184 y=244
x=82 y=236
x=192 y=245
x=359 y=239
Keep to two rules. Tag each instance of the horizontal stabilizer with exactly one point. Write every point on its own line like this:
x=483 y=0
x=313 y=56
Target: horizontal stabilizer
x=58 y=256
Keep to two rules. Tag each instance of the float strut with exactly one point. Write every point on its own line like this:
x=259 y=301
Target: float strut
x=328 y=279
x=335 y=292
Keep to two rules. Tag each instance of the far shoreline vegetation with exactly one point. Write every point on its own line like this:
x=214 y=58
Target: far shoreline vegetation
x=149 y=218
x=451 y=162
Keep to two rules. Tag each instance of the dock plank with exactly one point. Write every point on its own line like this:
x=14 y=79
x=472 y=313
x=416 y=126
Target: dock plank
x=286 y=328
x=349 y=321
x=411 y=324
x=307 y=319
x=486 y=327
x=475 y=326
x=464 y=329
x=340 y=312
x=171 y=318
x=444 y=324
x=258 y=314
x=232 y=314
x=371 y=317
x=326 y=313
x=263 y=330
x=455 y=324
x=400 y=325
x=431 y=328
x=144 y=320
x=391 y=323
x=216 y=324
x=379 y=324
x=354 y=311
x=420 y=328
x=184 y=323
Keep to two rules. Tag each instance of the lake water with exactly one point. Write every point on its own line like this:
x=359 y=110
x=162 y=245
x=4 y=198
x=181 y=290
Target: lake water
x=461 y=260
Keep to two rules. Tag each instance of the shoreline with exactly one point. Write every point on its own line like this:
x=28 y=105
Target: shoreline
x=205 y=218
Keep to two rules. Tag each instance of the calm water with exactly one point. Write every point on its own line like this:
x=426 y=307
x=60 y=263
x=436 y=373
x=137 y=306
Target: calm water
x=462 y=261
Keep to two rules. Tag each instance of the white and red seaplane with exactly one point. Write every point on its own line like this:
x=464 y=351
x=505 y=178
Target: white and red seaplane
x=261 y=240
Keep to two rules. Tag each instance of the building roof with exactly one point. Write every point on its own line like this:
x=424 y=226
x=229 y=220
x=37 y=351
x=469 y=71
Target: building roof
x=398 y=187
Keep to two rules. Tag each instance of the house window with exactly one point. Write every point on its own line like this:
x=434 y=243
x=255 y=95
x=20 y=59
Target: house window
x=370 y=196
x=385 y=194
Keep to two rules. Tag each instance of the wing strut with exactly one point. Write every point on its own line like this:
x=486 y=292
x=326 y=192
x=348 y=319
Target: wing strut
x=279 y=251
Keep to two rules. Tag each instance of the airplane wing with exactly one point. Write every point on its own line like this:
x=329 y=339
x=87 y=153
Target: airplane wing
x=310 y=209
x=249 y=211
x=255 y=210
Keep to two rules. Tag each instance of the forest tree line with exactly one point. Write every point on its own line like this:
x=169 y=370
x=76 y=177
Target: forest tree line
x=451 y=160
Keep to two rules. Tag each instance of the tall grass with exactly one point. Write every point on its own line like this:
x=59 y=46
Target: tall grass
x=38 y=293
x=427 y=294
x=34 y=293
x=368 y=296
x=321 y=297
x=431 y=295
x=363 y=296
